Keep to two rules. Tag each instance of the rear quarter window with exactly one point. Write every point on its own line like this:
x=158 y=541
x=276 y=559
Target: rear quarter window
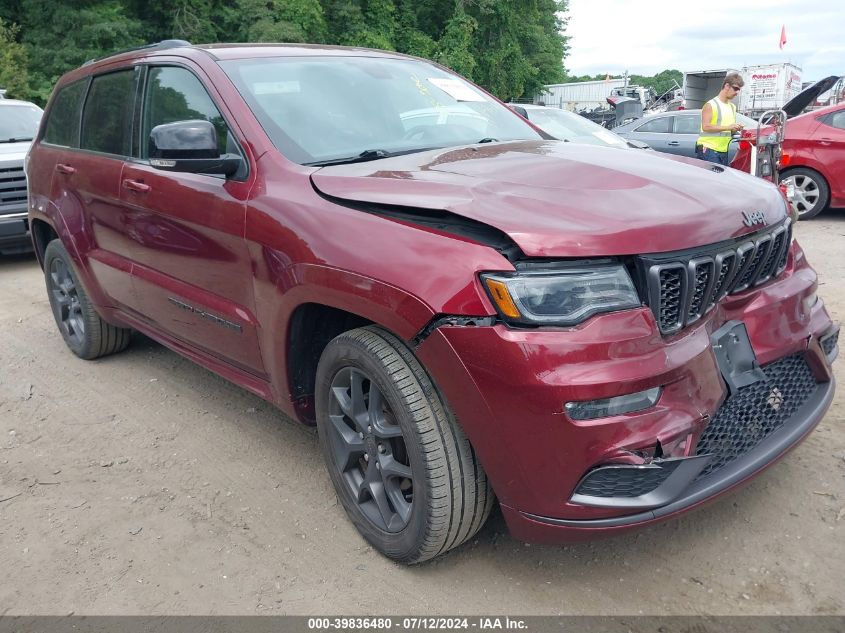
x=687 y=124
x=107 y=118
x=63 y=119
x=836 y=119
x=661 y=125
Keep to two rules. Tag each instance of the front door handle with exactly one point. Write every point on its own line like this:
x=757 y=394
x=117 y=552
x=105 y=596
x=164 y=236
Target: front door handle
x=65 y=169
x=673 y=143
x=136 y=186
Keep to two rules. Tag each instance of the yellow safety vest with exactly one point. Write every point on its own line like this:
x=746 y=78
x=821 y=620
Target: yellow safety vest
x=720 y=114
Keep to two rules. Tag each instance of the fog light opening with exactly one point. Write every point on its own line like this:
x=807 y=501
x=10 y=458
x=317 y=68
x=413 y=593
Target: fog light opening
x=619 y=405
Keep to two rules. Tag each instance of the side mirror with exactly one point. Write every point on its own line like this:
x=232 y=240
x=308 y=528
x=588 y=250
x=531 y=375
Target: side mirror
x=519 y=110
x=190 y=146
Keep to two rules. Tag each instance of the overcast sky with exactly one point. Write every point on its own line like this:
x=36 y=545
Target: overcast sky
x=611 y=36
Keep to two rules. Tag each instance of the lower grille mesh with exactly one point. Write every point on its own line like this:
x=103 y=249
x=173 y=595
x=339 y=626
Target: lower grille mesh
x=741 y=423
x=622 y=482
x=753 y=413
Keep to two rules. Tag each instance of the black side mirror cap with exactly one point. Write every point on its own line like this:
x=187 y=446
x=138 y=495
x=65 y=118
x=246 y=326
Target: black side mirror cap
x=190 y=146
x=184 y=139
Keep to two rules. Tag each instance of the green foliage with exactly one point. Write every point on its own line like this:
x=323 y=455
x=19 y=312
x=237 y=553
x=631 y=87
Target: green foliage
x=510 y=47
x=281 y=21
x=13 y=62
x=59 y=36
x=661 y=82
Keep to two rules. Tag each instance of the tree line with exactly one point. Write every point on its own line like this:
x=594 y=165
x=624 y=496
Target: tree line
x=661 y=82
x=510 y=47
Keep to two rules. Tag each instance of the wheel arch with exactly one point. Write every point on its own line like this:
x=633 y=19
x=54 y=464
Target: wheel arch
x=42 y=234
x=310 y=328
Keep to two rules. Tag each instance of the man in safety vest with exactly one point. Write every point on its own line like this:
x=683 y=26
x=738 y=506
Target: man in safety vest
x=718 y=121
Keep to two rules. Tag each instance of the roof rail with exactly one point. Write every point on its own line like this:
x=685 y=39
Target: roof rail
x=164 y=44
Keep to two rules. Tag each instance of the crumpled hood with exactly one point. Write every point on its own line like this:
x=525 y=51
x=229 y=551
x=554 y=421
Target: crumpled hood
x=566 y=200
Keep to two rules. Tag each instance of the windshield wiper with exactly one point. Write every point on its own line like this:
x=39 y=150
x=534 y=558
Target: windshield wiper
x=488 y=139
x=14 y=140
x=367 y=154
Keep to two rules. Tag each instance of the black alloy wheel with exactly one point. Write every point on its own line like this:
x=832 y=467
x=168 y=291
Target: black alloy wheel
x=65 y=301
x=400 y=463
x=85 y=333
x=370 y=450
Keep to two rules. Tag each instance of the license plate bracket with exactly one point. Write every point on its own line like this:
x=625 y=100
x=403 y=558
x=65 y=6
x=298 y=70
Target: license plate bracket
x=735 y=357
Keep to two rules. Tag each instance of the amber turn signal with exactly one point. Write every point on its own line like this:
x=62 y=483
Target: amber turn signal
x=502 y=297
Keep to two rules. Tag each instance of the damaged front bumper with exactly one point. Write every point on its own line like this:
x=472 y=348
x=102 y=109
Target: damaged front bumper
x=722 y=417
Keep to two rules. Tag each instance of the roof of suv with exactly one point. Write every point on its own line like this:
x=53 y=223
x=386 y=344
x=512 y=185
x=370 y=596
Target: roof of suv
x=223 y=51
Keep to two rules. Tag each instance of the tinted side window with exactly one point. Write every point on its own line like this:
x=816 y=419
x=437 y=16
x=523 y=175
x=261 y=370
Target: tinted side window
x=836 y=119
x=687 y=124
x=175 y=94
x=63 y=121
x=107 y=119
x=661 y=125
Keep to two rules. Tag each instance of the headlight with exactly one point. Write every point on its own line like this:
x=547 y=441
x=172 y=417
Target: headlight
x=565 y=296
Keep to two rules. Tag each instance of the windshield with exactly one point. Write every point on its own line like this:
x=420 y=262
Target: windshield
x=18 y=122
x=333 y=109
x=567 y=126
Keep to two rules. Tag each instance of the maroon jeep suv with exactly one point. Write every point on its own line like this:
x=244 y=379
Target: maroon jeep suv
x=597 y=338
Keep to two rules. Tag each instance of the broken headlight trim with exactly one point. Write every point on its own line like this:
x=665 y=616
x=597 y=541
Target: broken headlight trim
x=565 y=296
x=606 y=407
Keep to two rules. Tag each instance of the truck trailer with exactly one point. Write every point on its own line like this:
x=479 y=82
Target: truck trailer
x=767 y=87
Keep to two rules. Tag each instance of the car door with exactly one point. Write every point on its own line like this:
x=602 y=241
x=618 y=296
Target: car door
x=685 y=132
x=655 y=131
x=192 y=270
x=829 y=147
x=86 y=180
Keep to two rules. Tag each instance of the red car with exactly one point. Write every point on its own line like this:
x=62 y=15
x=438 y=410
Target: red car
x=813 y=159
x=467 y=310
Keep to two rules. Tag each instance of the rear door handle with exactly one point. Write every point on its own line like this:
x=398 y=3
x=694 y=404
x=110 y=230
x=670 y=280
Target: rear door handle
x=65 y=169
x=673 y=143
x=135 y=185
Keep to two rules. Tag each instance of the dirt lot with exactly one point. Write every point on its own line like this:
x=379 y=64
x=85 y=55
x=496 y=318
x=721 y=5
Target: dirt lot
x=144 y=484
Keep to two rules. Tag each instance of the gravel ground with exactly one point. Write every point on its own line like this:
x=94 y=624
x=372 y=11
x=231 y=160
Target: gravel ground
x=144 y=484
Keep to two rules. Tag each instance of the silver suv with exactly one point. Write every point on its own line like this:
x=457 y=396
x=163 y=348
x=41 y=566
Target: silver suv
x=18 y=125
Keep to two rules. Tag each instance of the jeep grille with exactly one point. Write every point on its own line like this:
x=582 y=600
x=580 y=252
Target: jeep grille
x=683 y=287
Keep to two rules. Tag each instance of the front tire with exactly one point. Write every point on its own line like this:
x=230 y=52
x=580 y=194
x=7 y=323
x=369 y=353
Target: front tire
x=402 y=467
x=84 y=332
x=811 y=191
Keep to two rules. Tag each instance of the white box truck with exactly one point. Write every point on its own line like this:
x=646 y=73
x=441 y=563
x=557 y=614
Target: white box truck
x=767 y=87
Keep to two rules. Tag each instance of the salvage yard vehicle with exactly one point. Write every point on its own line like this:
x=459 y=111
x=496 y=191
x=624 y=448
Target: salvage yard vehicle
x=571 y=127
x=673 y=132
x=812 y=159
x=18 y=125
x=598 y=339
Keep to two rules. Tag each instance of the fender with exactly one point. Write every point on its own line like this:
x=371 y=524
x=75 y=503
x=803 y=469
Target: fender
x=371 y=299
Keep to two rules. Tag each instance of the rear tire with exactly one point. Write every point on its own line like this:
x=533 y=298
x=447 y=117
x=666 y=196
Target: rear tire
x=84 y=332
x=401 y=465
x=811 y=191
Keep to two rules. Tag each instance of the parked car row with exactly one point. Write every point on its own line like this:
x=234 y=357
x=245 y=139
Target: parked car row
x=674 y=132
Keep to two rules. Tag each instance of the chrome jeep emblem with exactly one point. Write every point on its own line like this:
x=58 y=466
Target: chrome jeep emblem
x=750 y=218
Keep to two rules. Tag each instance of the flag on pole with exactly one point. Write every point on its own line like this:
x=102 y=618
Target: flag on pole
x=782 y=37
